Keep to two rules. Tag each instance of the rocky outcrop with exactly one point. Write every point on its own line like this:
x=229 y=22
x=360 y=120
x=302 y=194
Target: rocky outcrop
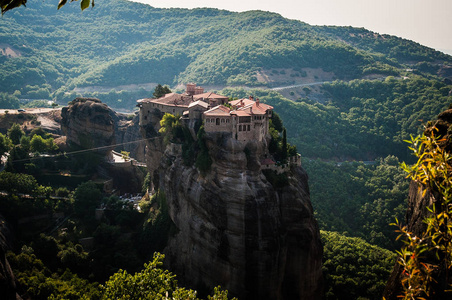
x=88 y=123
x=128 y=136
x=237 y=230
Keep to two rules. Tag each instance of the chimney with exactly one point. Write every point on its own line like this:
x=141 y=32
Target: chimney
x=257 y=101
x=251 y=97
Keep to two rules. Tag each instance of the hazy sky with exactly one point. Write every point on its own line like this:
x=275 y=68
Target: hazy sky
x=428 y=22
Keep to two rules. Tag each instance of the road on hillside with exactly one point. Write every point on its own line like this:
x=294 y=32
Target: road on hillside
x=28 y=110
x=299 y=85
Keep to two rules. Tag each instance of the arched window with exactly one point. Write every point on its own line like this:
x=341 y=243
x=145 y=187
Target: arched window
x=218 y=121
x=222 y=120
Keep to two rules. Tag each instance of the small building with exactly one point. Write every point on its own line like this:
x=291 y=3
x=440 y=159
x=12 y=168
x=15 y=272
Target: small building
x=246 y=120
x=195 y=110
x=173 y=103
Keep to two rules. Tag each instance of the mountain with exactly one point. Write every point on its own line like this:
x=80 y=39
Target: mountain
x=121 y=43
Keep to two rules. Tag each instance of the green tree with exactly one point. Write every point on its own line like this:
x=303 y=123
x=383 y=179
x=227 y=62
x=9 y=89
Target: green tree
x=41 y=145
x=25 y=143
x=5 y=144
x=284 y=145
x=277 y=122
x=161 y=91
x=18 y=183
x=153 y=282
x=15 y=133
x=38 y=144
x=86 y=198
x=170 y=124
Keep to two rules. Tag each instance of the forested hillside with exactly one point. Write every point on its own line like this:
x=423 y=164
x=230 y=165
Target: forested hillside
x=46 y=53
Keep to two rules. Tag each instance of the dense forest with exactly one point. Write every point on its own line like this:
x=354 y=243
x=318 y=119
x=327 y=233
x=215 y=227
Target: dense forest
x=350 y=130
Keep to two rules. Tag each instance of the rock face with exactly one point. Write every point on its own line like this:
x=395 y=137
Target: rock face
x=237 y=230
x=88 y=123
x=126 y=133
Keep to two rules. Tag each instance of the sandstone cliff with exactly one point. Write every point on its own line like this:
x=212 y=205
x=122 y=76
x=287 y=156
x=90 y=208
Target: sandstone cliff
x=88 y=123
x=235 y=229
x=127 y=132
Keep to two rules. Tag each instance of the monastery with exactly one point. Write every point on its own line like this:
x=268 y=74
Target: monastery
x=246 y=119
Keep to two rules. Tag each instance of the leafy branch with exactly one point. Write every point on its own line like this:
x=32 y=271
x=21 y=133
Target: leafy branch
x=427 y=258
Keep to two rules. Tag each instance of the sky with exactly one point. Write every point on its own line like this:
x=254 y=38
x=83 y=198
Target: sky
x=428 y=22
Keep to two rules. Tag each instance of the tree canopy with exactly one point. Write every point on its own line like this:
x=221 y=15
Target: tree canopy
x=161 y=91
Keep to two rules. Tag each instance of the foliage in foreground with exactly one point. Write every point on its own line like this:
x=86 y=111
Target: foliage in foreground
x=153 y=282
x=354 y=269
x=427 y=257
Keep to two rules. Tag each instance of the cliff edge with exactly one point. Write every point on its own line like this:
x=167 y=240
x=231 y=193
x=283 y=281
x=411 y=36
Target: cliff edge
x=237 y=230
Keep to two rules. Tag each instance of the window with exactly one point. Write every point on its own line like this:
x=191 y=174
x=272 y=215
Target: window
x=240 y=127
x=222 y=120
x=248 y=127
x=218 y=121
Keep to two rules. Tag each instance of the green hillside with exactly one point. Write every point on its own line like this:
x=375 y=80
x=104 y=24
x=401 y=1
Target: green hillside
x=121 y=43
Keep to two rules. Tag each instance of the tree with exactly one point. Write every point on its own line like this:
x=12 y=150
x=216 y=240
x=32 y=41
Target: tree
x=15 y=133
x=38 y=144
x=277 y=122
x=160 y=91
x=153 y=282
x=10 y=4
x=169 y=124
x=25 y=143
x=86 y=198
x=284 y=145
x=5 y=144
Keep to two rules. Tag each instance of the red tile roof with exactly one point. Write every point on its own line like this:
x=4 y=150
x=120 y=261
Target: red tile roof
x=219 y=110
x=209 y=95
x=267 y=161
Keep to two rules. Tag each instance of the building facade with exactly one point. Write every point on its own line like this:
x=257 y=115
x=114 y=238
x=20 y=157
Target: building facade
x=245 y=119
